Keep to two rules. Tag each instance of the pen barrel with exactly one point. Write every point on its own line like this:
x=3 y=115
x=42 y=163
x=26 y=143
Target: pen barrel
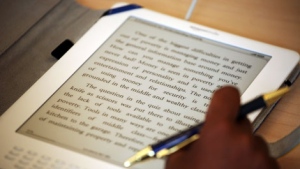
x=251 y=106
x=177 y=138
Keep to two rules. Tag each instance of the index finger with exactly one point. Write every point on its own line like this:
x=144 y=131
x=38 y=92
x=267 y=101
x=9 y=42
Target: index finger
x=224 y=105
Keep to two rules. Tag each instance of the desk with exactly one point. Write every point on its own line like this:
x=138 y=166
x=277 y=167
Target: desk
x=272 y=21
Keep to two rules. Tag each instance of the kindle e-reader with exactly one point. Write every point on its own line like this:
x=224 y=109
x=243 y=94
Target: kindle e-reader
x=137 y=76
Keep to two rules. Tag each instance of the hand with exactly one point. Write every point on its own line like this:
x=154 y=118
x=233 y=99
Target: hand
x=224 y=143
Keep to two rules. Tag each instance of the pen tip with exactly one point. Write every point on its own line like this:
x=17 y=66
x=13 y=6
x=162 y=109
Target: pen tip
x=127 y=164
x=139 y=156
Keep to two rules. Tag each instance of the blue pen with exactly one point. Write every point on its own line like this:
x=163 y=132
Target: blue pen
x=176 y=142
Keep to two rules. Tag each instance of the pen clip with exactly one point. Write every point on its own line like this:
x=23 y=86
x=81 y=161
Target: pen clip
x=165 y=152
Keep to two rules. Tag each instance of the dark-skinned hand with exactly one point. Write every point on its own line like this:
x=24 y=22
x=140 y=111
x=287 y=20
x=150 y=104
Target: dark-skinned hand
x=224 y=142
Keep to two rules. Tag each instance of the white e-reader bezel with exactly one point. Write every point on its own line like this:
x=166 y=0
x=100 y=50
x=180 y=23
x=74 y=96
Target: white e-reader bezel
x=272 y=76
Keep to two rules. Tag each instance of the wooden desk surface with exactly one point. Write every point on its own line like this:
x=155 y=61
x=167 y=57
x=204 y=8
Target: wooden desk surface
x=272 y=21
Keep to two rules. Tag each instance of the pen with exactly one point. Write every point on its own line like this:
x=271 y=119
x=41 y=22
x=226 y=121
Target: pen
x=177 y=141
